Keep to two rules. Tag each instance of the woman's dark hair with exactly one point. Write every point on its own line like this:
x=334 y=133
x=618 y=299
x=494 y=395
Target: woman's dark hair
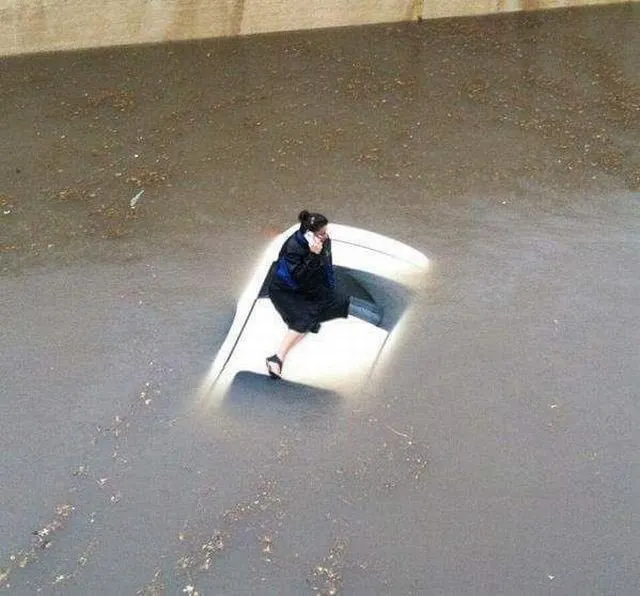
x=311 y=221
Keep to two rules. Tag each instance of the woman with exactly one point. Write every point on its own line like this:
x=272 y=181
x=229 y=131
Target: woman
x=303 y=288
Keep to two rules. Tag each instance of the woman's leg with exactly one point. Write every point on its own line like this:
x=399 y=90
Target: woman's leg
x=290 y=339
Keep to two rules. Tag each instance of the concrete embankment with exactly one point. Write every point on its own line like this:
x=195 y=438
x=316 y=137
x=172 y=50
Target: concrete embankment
x=28 y=26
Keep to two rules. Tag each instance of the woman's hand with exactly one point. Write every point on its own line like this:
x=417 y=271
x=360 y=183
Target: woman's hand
x=315 y=245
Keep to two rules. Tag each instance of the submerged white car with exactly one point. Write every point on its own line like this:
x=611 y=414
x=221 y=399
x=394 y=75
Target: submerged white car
x=346 y=353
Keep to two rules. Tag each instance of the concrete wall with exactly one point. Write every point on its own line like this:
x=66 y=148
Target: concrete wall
x=46 y=25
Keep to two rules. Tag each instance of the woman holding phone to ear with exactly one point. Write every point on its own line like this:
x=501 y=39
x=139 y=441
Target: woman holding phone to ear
x=303 y=288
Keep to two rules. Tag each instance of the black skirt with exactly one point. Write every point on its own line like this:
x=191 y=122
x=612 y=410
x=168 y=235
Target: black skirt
x=302 y=312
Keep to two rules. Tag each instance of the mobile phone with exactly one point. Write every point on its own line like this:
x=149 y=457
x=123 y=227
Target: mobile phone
x=310 y=237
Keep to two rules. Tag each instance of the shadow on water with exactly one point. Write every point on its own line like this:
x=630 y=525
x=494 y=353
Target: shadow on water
x=253 y=396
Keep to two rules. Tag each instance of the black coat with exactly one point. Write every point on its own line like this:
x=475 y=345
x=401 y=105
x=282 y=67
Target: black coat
x=302 y=287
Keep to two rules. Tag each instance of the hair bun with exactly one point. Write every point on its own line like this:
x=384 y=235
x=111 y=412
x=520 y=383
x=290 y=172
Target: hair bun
x=303 y=217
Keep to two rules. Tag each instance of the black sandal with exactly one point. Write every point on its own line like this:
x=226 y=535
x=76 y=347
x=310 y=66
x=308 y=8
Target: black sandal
x=274 y=360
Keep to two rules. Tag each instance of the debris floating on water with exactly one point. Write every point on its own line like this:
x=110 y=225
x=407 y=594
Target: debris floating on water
x=134 y=201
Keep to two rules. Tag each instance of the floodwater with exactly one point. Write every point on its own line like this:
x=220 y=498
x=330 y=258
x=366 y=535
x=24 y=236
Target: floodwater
x=499 y=453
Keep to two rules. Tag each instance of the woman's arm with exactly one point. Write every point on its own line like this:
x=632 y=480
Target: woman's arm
x=303 y=265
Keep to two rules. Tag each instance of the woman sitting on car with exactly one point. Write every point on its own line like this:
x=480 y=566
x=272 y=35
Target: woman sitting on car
x=303 y=288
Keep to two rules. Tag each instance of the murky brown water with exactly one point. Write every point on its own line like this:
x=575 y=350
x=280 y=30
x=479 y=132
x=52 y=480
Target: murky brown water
x=495 y=458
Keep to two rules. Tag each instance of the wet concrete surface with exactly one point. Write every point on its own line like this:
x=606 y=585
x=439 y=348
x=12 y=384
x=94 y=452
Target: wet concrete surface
x=498 y=456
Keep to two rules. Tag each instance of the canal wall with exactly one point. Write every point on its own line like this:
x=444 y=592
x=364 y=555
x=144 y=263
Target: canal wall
x=28 y=26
